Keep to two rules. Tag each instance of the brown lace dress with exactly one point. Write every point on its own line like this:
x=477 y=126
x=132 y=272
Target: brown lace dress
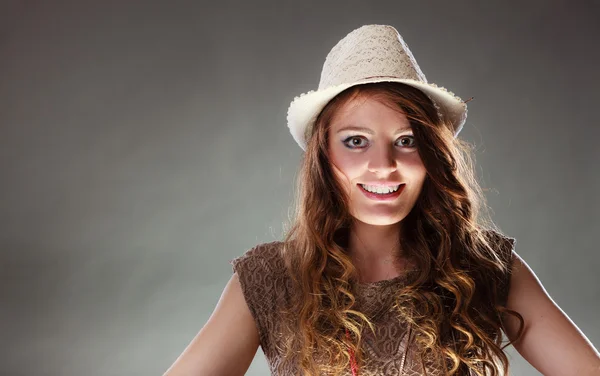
x=266 y=287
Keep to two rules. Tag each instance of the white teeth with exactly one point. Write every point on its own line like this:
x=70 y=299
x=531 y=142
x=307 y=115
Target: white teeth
x=380 y=190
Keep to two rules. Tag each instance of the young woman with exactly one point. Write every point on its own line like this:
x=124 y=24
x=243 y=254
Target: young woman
x=390 y=266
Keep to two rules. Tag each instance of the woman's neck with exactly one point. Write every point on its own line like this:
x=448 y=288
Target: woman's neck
x=375 y=251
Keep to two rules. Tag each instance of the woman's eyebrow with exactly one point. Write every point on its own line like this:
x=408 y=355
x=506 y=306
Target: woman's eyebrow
x=368 y=130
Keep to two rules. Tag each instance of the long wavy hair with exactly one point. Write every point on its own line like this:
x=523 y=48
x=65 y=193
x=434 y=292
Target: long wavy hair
x=453 y=302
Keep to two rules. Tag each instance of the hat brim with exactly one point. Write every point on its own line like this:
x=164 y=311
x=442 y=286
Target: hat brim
x=305 y=108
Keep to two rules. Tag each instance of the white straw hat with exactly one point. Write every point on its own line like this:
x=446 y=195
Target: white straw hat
x=371 y=53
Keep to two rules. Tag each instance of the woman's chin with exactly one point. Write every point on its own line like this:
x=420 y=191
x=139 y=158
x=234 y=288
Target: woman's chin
x=379 y=219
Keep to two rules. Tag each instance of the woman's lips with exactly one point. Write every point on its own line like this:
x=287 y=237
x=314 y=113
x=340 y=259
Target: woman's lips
x=382 y=197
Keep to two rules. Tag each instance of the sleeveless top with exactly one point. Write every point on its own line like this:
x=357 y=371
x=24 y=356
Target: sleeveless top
x=266 y=287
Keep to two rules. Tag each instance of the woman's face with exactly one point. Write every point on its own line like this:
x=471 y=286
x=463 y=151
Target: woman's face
x=372 y=144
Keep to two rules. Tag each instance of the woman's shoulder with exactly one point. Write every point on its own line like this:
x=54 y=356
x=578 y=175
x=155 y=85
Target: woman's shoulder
x=262 y=264
x=260 y=257
x=261 y=273
x=499 y=242
x=495 y=234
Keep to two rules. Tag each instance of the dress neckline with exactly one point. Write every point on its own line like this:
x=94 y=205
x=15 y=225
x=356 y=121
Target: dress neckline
x=387 y=282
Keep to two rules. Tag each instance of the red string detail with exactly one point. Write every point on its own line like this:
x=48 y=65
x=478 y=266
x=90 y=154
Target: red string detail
x=353 y=365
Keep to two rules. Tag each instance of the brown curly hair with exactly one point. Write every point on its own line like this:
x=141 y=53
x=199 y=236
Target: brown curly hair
x=453 y=302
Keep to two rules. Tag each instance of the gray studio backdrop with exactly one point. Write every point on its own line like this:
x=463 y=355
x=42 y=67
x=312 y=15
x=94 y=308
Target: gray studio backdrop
x=143 y=145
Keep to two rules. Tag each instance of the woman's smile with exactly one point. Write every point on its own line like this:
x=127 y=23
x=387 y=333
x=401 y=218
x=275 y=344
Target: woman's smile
x=382 y=194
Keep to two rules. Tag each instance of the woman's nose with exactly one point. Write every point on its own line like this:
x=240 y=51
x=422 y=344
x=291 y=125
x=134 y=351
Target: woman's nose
x=382 y=160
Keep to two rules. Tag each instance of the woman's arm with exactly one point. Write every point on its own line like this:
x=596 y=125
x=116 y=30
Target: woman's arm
x=226 y=344
x=551 y=342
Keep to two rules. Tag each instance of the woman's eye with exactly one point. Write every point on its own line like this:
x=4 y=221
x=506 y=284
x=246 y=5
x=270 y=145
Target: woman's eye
x=354 y=142
x=407 y=141
x=358 y=142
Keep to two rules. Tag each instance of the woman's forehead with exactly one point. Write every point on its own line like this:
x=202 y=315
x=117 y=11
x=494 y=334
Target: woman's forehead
x=359 y=111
